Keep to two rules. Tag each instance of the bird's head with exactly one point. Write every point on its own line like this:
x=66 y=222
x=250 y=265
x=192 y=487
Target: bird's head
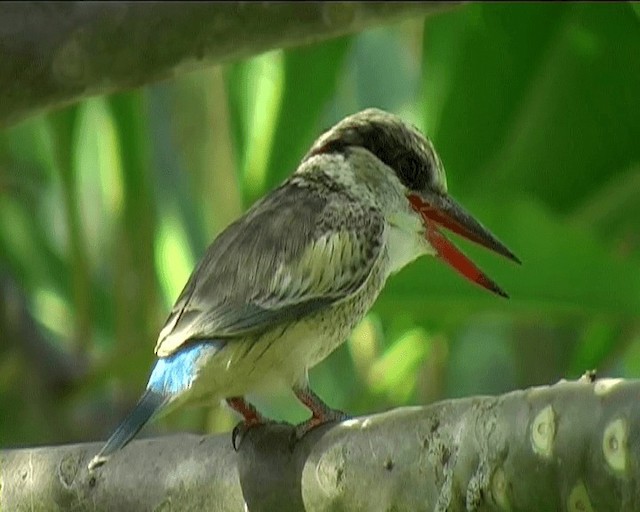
x=382 y=143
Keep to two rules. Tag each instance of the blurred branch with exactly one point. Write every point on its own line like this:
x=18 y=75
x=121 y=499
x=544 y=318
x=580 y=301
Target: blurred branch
x=56 y=53
x=56 y=369
x=571 y=446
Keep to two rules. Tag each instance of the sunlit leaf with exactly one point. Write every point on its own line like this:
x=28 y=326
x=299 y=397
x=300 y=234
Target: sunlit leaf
x=173 y=259
x=394 y=373
x=255 y=95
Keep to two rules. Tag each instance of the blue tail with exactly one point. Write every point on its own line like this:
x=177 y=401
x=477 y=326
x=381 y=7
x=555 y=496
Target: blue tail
x=147 y=406
x=170 y=377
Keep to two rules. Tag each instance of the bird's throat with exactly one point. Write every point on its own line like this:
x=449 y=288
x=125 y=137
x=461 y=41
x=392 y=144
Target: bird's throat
x=403 y=247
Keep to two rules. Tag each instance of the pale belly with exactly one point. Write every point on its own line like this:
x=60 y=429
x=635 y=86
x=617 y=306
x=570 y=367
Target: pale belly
x=282 y=357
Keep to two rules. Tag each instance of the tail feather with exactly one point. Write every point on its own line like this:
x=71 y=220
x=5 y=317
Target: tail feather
x=171 y=376
x=147 y=406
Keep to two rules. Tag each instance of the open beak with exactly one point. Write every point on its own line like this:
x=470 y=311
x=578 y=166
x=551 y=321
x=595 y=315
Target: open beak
x=439 y=210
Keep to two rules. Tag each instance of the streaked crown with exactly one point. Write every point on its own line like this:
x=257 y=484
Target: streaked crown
x=395 y=143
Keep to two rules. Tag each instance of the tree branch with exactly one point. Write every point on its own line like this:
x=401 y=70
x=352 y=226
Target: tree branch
x=571 y=446
x=55 y=53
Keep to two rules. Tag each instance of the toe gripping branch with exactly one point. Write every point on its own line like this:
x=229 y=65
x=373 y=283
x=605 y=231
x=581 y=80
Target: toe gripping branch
x=321 y=413
x=251 y=418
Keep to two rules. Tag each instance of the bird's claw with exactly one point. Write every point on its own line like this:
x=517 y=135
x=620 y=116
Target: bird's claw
x=240 y=430
x=302 y=429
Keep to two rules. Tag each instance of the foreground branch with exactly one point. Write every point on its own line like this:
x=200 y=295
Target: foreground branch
x=572 y=446
x=54 y=53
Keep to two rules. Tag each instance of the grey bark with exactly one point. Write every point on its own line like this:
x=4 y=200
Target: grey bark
x=55 y=53
x=571 y=446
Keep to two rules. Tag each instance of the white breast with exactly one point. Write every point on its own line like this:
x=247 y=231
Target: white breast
x=405 y=244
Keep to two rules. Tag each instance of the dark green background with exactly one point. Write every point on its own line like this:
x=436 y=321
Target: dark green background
x=535 y=110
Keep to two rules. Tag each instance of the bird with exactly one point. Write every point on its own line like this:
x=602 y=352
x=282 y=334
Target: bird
x=283 y=286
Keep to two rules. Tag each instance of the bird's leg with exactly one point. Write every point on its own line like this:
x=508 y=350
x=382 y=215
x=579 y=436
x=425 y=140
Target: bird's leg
x=321 y=413
x=251 y=418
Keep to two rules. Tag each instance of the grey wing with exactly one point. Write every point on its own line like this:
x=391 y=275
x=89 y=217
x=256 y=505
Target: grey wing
x=292 y=254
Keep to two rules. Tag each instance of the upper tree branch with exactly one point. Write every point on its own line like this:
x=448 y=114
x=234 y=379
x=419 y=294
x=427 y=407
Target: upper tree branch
x=56 y=53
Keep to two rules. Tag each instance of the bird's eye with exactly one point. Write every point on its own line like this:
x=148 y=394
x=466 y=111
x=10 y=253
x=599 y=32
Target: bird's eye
x=411 y=172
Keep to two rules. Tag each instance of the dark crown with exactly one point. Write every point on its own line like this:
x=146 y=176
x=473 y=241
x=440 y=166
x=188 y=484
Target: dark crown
x=400 y=146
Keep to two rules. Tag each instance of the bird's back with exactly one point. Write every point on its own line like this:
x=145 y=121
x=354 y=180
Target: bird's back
x=304 y=247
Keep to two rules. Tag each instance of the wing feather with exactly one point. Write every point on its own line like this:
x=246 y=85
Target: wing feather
x=292 y=254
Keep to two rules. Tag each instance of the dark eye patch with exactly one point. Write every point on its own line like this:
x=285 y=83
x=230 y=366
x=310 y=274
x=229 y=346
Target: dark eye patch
x=411 y=171
x=391 y=144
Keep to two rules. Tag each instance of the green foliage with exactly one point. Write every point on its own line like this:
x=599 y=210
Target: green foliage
x=106 y=207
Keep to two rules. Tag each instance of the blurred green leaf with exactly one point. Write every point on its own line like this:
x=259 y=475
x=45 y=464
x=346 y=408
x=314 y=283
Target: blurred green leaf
x=173 y=163
x=480 y=360
x=612 y=212
x=136 y=288
x=199 y=124
x=310 y=76
x=63 y=130
x=275 y=101
x=255 y=95
x=543 y=100
x=394 y=372
x=485 y=60
x=597 y=341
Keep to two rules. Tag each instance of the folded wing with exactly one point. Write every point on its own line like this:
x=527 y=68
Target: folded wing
x=292 y=254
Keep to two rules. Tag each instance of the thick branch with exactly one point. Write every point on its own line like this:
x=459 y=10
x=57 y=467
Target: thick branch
x=56 y=53
x=571 y=446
